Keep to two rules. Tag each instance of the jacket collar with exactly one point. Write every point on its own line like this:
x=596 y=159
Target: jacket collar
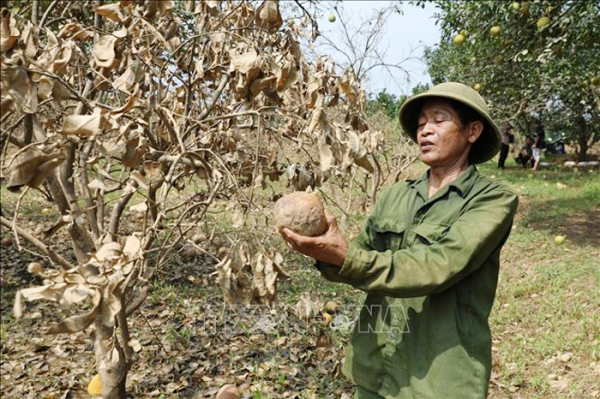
x=462 y=184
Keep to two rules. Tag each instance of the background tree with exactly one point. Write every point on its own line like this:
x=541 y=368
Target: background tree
x=535 y=60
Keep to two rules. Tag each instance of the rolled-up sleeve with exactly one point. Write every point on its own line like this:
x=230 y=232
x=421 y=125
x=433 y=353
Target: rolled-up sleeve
x=419 y=270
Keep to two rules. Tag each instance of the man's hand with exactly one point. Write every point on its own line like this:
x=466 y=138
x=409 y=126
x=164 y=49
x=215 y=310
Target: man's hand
x=330 y=247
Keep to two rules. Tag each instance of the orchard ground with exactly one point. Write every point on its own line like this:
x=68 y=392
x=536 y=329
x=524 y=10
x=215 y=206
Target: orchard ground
x=545 y=322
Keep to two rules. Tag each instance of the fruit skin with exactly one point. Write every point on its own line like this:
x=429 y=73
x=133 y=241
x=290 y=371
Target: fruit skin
x=477 y=86
x=524 y=8
x=290 y=22
x=332 y=18
x=228 y=391
x=459 y=39
x=594 y=80
x=327 y=318
x=46 y=211
x=495 y=30
x=544 y=21
x=301 y=212
x=515 y=5
x=559 y=239
x=95 y=386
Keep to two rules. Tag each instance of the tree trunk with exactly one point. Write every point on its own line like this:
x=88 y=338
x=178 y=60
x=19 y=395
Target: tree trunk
x=582 y=140
x=112 y=365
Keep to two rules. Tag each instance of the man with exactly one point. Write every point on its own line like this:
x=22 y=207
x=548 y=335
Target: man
x=506 y=137
x=526 y=154
x=428 y=258
x=539 y=143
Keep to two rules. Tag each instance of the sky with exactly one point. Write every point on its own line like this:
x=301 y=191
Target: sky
x=404 y=36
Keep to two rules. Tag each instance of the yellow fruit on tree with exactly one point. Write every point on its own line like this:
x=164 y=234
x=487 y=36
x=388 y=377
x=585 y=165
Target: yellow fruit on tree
x=544 y=21
x=464 y=32
x=95 y=387
x=477 y=86
x=594 y=80
x=495 y=30
x=459 y=39
x=524 y=8
x=515 y=5
x=332 y=18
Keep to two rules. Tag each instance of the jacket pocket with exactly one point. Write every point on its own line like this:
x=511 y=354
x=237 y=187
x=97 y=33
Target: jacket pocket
x=388 y=234
x=428 y=233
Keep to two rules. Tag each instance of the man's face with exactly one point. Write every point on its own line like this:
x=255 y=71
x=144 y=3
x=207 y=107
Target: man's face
x=442 y=139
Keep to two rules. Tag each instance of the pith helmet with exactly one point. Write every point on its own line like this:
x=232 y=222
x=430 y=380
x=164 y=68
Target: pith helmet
x=488 y=143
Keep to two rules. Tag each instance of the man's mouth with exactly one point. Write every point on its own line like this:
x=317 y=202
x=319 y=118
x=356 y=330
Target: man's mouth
x=425 y=145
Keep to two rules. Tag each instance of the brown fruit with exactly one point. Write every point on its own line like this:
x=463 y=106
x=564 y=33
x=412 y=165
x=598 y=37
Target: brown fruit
x=228 y=391
x=6 y=241
x=301 y=212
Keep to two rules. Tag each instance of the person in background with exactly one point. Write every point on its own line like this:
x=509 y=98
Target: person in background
x=507 y=138
x=428 y=258
x=539 y=142
x=526 y=154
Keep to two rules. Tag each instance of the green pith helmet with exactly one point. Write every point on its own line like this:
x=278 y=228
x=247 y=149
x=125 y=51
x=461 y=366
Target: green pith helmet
x=488 y=143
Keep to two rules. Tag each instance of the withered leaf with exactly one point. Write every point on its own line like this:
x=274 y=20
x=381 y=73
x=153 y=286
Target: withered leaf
x=9 y=34
x=79 y=322
x=104 y=51
x=111 y=11
x=32 y=167
x=85 y=125
x=268 y=15
x=75 y=31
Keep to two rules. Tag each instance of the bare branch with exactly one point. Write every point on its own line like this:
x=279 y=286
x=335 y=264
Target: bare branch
x=56 y=258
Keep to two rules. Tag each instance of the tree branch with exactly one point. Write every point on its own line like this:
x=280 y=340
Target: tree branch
x=49 y=252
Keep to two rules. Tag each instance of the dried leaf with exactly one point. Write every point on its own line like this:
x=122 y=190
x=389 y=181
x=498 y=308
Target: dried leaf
x=85 y=125
x=141 y=207
x=76 y=294
x=97 y=184
x=75 y=31
x=18 y=306
x=104 y=51
x=32 y=167
x=141 y=180
x=247 y=63
x=20 y=87
x=131 y=246
x=268 y=15
x=111 y=11
x=9 y=34
x=109 y=252
x=79 y=322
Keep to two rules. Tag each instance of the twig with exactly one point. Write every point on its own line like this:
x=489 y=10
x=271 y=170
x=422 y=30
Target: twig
x=154 y=332
x=15 y=216
x=333 y=202
x=40 y=245
x=47 y=12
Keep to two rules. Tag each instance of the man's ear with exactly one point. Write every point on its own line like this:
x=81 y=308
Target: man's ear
x=474 y=131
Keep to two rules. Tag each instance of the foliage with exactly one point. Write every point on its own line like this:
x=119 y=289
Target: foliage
x=529 y=71
x=152 y=112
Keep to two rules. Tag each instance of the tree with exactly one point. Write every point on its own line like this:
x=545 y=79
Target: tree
x=540 y=66
x=149 y=111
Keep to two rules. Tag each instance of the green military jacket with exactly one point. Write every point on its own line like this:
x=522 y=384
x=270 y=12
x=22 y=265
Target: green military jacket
x=430 y=270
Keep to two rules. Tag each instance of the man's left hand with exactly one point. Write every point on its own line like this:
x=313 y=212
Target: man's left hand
x=330 y=247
